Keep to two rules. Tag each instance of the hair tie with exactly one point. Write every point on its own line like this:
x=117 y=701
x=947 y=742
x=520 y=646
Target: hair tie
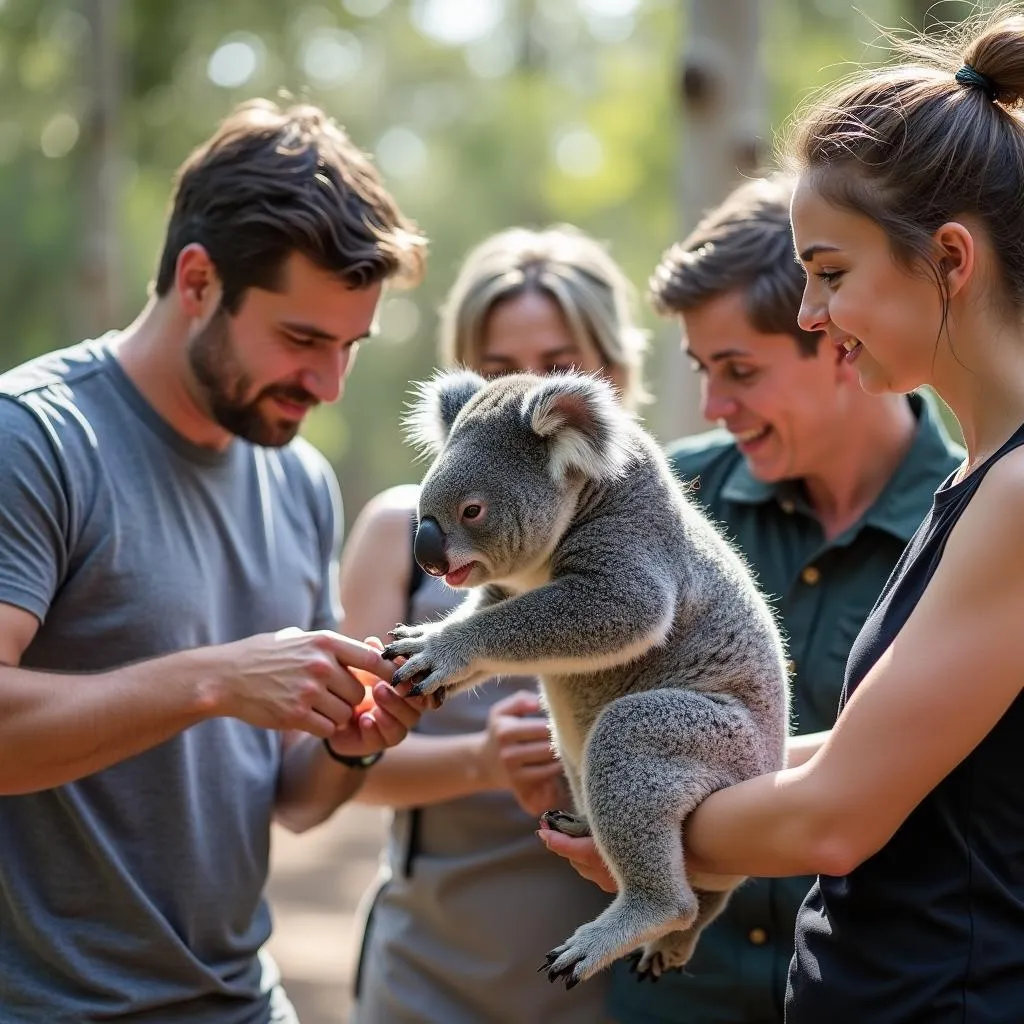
x=971 y=78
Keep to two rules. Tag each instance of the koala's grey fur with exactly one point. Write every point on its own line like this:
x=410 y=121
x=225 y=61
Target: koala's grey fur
x=661 y=664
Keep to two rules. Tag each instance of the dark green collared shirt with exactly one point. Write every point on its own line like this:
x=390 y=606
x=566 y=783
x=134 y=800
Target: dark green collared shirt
x=823 y=591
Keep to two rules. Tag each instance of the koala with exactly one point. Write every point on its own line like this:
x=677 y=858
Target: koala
x=660 y=663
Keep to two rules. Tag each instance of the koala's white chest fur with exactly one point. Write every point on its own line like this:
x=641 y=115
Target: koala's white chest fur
x=568 y=732
x=529 y=579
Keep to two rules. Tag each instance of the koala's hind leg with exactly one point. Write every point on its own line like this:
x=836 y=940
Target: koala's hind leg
x=650 y=759
x=675 y=949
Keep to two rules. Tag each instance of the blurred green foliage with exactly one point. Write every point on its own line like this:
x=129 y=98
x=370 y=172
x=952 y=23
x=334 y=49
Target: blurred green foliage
x=481 y=114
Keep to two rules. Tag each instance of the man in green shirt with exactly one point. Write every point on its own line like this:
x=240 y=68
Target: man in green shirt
x=821 y=486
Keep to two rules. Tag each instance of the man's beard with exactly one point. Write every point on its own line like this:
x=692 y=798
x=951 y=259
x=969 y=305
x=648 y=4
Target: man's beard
x=224 y=386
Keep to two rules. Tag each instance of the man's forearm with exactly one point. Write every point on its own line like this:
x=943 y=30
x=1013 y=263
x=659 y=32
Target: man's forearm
x=312 y=785
x=56 y=728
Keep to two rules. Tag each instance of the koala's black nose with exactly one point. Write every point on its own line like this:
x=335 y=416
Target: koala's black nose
x=429 y=547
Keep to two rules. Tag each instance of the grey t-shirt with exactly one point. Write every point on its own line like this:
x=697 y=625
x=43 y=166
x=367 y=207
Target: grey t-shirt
x=136 y=893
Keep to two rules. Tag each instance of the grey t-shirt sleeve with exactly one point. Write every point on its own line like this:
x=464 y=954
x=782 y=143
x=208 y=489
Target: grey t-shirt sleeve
x=34 y=511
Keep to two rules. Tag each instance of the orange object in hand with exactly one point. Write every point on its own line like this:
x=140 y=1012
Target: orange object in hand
x=369 y=680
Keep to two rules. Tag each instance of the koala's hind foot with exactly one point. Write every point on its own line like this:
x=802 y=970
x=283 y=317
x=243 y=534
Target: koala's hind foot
x=575 y=825
x=674 y=950
x=630 y=917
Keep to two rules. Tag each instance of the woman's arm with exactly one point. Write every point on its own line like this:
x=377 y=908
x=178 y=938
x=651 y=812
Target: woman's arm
x=800 y=749
x=376 y=564
x=943 y=684
x=512 y=753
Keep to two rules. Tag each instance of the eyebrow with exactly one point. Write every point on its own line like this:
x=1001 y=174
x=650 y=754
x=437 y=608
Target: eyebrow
x=312 y=331
x=717 y=357
x=809 y=253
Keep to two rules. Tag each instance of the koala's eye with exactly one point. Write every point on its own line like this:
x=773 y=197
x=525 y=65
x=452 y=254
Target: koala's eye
x=472 y=512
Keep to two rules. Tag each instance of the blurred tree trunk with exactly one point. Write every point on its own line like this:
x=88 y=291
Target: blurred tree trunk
x=722 y=127
x=99 y=274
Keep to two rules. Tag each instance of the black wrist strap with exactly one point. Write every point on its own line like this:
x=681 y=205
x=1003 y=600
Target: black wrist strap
x=350 y=761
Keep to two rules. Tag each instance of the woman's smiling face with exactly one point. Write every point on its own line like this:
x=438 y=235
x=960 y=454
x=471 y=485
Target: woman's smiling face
x=887 y=317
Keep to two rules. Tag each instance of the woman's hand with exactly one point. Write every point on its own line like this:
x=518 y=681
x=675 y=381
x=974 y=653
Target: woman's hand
x=582 y=855
x=516 y=754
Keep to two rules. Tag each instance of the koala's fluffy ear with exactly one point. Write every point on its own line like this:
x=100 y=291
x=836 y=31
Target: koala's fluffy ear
x=585 y=423
x=436 y=404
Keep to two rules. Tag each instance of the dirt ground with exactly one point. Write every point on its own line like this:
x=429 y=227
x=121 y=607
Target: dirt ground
x=316 y=881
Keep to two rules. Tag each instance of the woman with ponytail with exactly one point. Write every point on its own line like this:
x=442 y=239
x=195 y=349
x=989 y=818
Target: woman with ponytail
x=909 y=219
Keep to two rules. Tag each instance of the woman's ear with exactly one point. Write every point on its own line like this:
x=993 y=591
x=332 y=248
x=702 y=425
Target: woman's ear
x=957 y=252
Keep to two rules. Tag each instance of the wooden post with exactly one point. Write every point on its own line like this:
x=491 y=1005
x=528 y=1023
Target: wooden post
x=722 y=135
x=99 y=274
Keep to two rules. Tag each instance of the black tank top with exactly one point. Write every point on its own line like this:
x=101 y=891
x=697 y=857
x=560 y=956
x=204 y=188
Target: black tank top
x=930 y=930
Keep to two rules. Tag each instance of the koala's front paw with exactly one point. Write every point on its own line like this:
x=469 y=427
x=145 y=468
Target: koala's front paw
x=434 y=664
x=575 y=825
x=404 y=632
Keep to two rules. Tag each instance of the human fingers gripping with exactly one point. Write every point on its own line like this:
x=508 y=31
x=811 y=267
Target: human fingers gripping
x=390 y=728
x=517 y=755
x=334 y=678
x=381 y=722
x=582 y=854
x=355 y=654
x=406 y=710
x=519 y=730
x=371 y=732
x=315 y=724
x=332 y=707
x=521 y=702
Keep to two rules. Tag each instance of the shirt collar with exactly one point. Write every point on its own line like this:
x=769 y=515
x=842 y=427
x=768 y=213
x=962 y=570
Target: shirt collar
x=897 y=510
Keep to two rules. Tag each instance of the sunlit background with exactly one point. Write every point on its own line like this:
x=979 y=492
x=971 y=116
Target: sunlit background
x=624 y=117
x=480 y=113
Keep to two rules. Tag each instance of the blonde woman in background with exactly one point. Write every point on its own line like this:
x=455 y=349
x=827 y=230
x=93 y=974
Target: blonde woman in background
x=467 y=901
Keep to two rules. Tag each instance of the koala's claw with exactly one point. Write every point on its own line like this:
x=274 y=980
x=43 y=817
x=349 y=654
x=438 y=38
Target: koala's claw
x=568 y=971
x=437 y=696
x=671 y=952
x=548 y=961
x=574 y=825
x=647 y=968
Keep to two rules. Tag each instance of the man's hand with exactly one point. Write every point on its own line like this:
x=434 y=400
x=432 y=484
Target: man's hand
x=304 y=680
x=582 y=855
x=382 y=717
x=517 y=754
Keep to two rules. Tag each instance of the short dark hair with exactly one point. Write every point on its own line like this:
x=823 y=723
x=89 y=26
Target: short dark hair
x=270 y=182
x=744 y=245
